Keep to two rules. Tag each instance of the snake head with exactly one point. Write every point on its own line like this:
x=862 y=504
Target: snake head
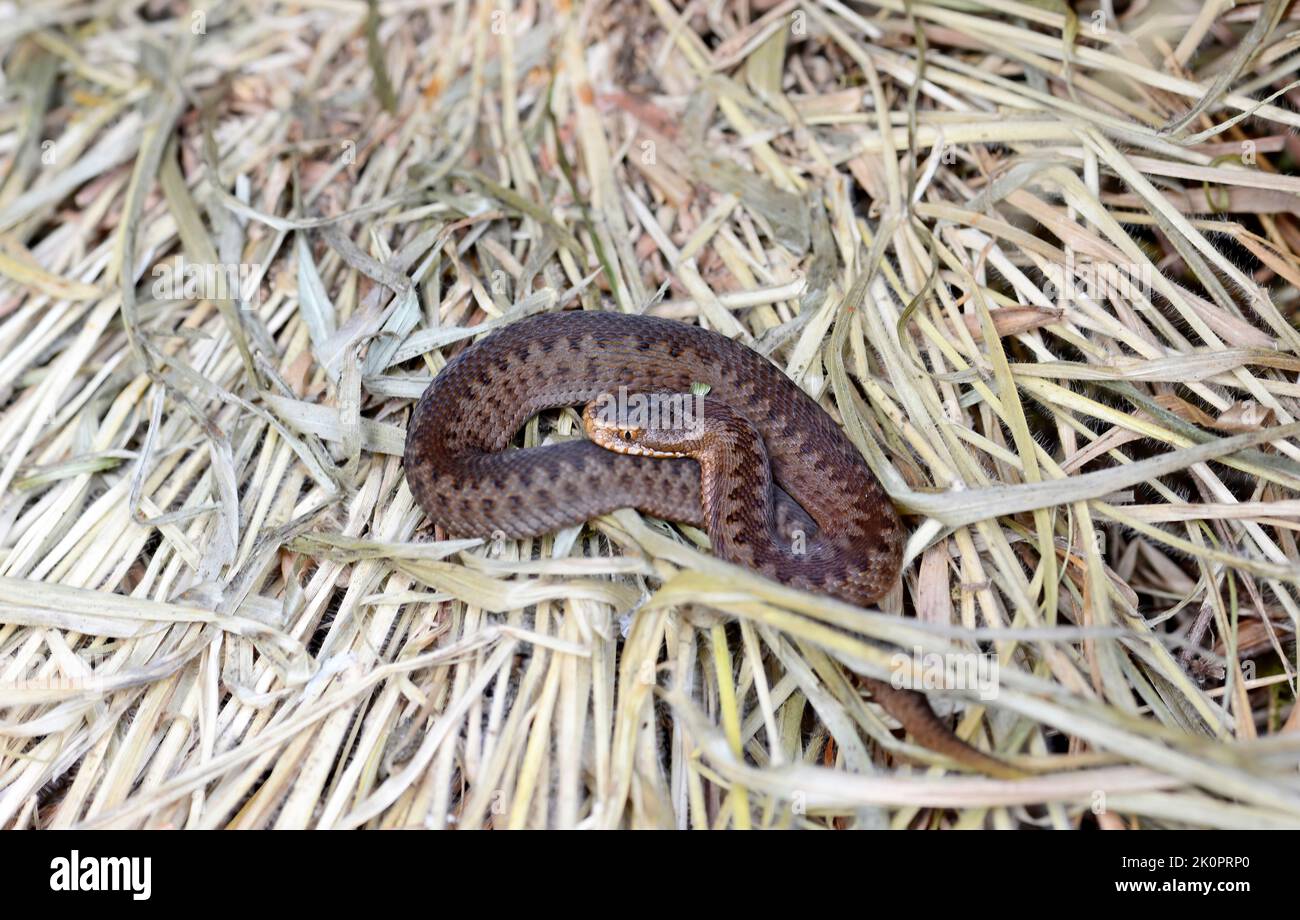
x=642 y=429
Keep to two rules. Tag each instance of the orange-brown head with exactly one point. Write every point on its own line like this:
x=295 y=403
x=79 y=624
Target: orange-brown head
x=648 y=424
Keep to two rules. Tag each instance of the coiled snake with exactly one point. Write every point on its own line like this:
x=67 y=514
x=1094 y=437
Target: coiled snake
x=730 y=463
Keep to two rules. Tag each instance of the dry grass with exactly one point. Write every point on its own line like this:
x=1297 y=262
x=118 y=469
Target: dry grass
x=217 y=604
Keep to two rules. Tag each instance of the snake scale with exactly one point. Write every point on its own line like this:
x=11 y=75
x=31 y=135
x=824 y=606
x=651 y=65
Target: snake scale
x=768 y=473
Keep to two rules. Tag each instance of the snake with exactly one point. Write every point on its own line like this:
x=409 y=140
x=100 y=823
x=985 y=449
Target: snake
x=683 y=424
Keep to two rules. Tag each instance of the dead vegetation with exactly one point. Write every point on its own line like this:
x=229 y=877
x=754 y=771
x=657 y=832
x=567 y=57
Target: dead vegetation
x=1040 y=261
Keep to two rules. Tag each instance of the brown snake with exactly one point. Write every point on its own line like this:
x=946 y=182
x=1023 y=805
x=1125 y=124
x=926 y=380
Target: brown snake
x=758 y=441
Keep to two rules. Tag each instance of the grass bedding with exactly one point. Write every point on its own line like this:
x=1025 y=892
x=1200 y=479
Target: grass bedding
x=1040 y=260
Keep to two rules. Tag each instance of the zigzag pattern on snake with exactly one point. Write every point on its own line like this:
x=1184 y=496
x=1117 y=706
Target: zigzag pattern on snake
x=465 y=479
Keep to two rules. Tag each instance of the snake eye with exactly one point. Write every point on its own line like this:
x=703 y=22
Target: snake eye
x=625 y=434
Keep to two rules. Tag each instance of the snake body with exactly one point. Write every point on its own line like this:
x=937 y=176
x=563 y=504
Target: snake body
x=463 y=477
